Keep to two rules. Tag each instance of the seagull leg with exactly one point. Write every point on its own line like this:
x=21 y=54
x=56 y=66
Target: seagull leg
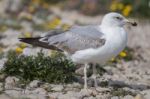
x=85 y=76
x=94 y=76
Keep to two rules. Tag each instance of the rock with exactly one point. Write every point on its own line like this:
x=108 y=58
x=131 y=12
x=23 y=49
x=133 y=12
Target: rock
x=139 y=96
x=73 y=87
x=91 y=97
x=103 y=90
x=46 y=86
x=76 y=85
x=14 y=5
x=35 y=96
x=86 y=92
x=75 y=95
x=115 y=97
x=2 y=77
x=11 y=82
x=80 y=71
x=13 y=93
x=57 y=88
x=128 y=97
x=146 y=94
x=3 y=96
x=34 y=84
x=40 y=91
x=54 y=95
x=26 y=91
x=102 y=96
x=2 y=61
x=1 y=87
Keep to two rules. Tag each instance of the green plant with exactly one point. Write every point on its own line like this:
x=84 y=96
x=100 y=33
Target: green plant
x=40 y=67
x=121 y=92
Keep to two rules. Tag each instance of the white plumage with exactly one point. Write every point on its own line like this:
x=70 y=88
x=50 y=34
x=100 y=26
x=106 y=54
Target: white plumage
x=88 y=44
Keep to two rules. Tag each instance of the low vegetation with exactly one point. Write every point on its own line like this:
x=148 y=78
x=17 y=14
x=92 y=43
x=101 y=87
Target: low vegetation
x=40 y=67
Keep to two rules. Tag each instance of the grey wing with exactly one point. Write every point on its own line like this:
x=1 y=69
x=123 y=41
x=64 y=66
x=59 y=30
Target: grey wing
x=77 y=38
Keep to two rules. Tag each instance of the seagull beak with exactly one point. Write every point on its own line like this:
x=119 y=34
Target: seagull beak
x=131 y=22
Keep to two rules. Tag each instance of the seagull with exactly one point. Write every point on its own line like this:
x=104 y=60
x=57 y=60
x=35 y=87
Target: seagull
x=94 y=44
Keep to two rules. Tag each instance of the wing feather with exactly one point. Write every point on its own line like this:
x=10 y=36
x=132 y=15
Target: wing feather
x=77 y=38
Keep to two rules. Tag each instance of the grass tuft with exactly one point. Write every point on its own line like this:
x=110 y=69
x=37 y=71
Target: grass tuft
x=40 y=67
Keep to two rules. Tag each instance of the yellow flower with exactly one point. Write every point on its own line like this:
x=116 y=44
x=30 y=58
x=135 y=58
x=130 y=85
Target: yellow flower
x=3 y=28
x=123 y=54
x=27 y=34
x=120 y=6
x=112 y=60
x=31 y=9
x=53 y=24
x=19 y=50
x=1 y=49
x=113 y=6
x=126 y=11
x=45 y=5
x=23 y=45
x=65 y=26
x=36 y=1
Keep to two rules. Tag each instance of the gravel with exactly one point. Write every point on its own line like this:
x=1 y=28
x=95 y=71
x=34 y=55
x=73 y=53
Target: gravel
x=132 y=77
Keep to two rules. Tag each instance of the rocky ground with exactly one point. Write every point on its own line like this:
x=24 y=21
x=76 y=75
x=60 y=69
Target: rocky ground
x=126 y=80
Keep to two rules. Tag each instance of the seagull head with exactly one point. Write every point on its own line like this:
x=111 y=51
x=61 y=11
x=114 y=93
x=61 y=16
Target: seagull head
x=116 y=19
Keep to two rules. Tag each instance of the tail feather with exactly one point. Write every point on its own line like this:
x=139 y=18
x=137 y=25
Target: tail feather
x=36 y=42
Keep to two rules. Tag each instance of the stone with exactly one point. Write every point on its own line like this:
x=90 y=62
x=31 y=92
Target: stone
x=54 y=95
x=40 y=91
x=2 y=62
x=91 y=97
x=80 y=71
x=46 y=86
x=146 y=94
x=4 y=96
x=1 y=87
x=2 y=77
x=57 y=88
x=11 y=82
x=76 y=85
x=103 y=90
x=139 y=96
x=34 y=84
x=86 y=92
x=35 y=96
x=128 y=97
x=13 y=93
x=115 y=97
x=75 y=95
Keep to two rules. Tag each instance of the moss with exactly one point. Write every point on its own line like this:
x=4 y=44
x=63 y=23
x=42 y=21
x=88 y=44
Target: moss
x=40 y=67
x=121 y=92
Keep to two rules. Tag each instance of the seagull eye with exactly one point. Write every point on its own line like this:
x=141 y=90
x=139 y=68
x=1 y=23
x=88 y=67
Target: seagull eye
x=119 y=18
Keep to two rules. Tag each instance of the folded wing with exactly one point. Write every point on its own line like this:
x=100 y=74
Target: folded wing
x=77 y=38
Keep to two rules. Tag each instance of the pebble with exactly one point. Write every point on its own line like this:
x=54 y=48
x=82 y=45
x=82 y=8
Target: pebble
x=139 y=96
x=11 y=82
x=13 y=93
x=4 y=96
x=54 y=95
x=34 y=84
x=128 y=97
x=115 y=97
x=1 y=87
x=57 y=88
x=40 y=91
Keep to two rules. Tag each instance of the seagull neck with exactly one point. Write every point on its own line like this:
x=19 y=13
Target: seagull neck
x=108 y=26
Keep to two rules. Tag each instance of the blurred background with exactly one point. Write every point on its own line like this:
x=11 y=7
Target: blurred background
x=25 y=18
x=30 y=18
